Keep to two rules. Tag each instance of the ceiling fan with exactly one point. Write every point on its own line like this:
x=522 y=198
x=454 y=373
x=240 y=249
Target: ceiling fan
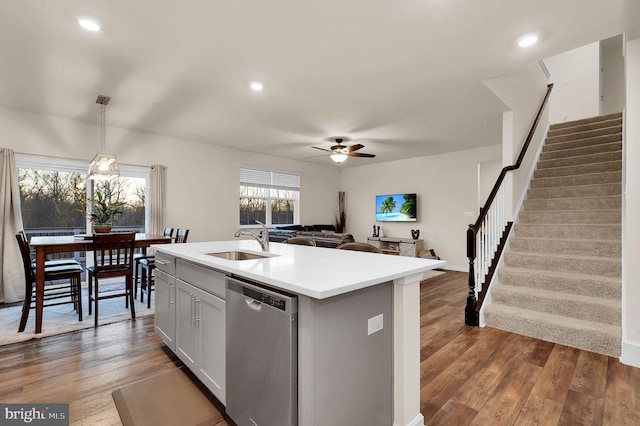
x=340 y=152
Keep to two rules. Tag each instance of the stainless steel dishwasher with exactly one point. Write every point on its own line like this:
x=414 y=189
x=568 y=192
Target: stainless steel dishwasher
x=262 y=355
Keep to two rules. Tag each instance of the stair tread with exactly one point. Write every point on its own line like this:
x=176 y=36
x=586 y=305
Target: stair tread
x=539 y=292
x=618 y=151
x=578 y=186
x=597 y=174
x=574 y=148
x=603 y=131
x=558 y=320
x=609 y=280
x=592 y=225
x=587 y=120
x=567 y=256
x=568 y=240
x=585 y=164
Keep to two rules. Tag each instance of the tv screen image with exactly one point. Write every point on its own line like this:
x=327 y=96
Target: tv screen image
x=396 y=208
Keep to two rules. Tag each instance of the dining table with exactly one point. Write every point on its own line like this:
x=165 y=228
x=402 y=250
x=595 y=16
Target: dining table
x=45 y=245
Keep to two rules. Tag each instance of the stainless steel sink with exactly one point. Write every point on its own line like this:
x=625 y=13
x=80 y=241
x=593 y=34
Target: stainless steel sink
x=238 y=255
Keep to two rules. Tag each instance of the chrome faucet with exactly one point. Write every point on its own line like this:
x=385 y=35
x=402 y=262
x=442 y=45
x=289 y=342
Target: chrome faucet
x=263 y=238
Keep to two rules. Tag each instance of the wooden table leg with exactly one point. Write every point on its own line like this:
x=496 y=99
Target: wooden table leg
x=40 y=256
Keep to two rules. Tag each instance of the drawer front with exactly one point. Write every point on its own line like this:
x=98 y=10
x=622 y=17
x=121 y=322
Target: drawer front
x=202 y=277
x=166 y=263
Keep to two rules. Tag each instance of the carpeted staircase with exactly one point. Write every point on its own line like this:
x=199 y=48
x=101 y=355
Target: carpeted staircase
x=561 y=281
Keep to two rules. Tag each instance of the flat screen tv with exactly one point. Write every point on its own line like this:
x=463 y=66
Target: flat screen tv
x=396 y=208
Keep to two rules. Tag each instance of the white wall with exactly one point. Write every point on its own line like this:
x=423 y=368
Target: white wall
x=576 y=79
x=446 y=185
x=613 y=75
x=522 y=95
x=488 y=172
x=202 y=180
x=631 y=207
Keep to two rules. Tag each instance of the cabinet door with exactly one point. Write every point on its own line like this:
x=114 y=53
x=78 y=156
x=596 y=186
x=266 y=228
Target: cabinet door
x=408 y=249
x=210 y=320
x=186 y=331
x=165 y=308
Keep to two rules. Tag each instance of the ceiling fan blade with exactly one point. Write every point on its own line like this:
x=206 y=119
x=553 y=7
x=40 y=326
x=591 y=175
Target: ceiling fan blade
x=355 y=147
x=321 y=149
x=360 y=154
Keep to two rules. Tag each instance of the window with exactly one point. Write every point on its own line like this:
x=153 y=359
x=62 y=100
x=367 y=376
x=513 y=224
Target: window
x=53 y=194
x=270 y=196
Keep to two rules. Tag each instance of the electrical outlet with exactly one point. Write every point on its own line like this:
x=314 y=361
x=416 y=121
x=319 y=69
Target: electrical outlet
x=374 y=324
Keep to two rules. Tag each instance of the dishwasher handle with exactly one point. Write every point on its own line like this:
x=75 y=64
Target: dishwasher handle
x=253 y=304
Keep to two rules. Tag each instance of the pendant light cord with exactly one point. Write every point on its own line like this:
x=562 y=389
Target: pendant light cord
x=103 y=126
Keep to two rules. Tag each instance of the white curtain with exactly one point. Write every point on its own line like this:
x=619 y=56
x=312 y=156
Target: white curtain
x=11 y=268
x=157 y=200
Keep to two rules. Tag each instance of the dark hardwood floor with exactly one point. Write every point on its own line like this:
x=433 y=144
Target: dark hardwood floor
x=469 y=375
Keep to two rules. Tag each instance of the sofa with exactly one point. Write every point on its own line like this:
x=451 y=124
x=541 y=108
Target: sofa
x=322 y=235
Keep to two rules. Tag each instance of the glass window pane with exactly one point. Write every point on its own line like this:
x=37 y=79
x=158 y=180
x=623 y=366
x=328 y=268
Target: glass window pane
x=130 y=191
x=281 y=212
x=252 y=209
x=52 y=199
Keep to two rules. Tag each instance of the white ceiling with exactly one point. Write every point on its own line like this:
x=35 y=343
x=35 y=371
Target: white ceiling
x=403 y=77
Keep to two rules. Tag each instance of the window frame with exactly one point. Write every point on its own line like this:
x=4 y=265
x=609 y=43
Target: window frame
x=269 y=198
x=29 y=161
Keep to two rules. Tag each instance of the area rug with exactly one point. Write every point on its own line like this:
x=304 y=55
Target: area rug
x=63 y=318
x=171 y=398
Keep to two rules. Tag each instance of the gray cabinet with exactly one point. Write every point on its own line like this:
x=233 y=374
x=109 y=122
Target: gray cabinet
x=200 y=325
x=165 y=289
x=165 y=307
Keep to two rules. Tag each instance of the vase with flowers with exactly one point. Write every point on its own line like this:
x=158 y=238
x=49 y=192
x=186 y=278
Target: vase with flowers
x=102 y=212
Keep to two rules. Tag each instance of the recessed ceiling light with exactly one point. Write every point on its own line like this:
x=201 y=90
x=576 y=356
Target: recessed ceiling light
x=256 y=86
x=527 y=41
x=89 y=25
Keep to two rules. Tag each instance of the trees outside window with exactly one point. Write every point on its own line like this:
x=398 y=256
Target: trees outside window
x=54 y=197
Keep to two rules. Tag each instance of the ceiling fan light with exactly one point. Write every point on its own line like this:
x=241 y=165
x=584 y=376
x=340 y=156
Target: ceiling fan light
x=339 y=158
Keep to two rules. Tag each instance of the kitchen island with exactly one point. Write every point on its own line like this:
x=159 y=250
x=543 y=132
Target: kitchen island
x=342 y=309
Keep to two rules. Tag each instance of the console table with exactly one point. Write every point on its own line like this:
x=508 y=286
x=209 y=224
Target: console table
x=397 y=246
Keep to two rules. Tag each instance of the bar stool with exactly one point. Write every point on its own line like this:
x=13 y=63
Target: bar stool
x=149 y=264
x=167 y=233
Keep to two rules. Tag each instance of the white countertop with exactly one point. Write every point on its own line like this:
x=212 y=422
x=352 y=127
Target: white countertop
x=311 y=271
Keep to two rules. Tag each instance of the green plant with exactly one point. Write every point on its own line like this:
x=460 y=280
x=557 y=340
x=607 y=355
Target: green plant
x=104 y=210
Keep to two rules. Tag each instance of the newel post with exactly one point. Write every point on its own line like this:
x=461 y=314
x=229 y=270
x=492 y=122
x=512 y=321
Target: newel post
x=471 y=316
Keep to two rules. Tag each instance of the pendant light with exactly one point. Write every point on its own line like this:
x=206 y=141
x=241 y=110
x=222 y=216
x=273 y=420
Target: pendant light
x=103 y=166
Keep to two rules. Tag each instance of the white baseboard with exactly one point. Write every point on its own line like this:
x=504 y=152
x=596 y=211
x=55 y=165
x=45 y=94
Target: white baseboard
x=456 y=268
x=418 y=421
x=630 y=354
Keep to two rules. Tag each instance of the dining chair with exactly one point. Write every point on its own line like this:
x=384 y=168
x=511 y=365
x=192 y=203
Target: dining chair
x=301 y=241
x=112 y=257
x=167 y=233
x=359 y=247
x=148 y=265
x=54 y=270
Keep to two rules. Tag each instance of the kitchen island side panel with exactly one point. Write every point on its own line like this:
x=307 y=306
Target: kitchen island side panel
x=345 y=374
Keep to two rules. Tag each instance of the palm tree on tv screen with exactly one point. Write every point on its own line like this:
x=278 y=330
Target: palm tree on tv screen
x=409 y=206
x=388 y=206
